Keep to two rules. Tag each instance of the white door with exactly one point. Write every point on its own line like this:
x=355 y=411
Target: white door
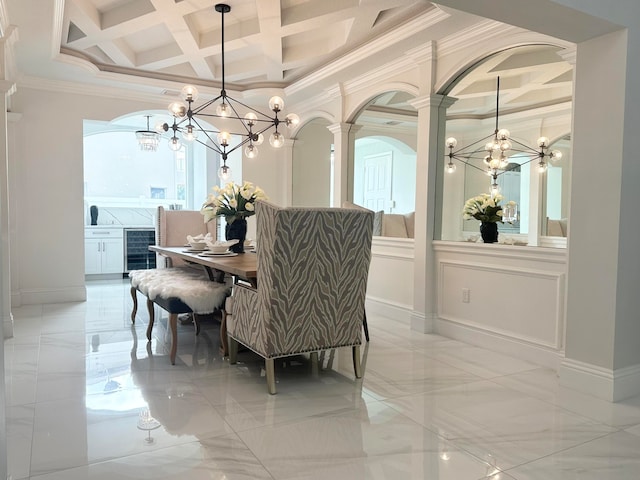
x=377 y=182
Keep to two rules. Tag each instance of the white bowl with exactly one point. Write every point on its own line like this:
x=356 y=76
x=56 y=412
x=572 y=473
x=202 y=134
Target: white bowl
x=198 y=245
x=218 y=248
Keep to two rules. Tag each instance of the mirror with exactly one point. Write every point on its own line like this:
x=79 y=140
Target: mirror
x=384 y=162
x=534 y=99
x=555 y=196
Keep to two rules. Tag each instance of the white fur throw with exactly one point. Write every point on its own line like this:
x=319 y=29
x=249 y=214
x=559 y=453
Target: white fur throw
x=192 y=287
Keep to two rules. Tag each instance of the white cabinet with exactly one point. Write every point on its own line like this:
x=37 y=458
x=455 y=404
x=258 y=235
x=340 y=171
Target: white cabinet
x=103 y=251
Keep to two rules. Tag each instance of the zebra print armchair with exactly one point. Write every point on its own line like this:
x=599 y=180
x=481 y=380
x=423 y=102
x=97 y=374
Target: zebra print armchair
x=313 y=265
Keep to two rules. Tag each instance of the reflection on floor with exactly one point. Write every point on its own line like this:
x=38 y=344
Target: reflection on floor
x=89 y=398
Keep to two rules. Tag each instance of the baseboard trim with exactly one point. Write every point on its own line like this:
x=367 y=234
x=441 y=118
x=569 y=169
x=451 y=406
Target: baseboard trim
x=603 y=383
x=537 y=354
x=7 y=326
x=422 y=323
x=59 y=295
x=401 y=313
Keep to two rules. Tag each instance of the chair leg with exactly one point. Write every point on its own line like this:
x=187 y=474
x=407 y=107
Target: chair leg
x=152 y=318
x=356 y=361
x=173 y=327
x=271 y=375
x=134 y=297
x=224 y=341
x=315 y=370
x=233 y=351
x=366 y=328
x=196 y=323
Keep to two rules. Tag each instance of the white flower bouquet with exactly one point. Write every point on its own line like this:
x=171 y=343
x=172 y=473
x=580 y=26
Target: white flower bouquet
x=485 y=208
x=232 y=201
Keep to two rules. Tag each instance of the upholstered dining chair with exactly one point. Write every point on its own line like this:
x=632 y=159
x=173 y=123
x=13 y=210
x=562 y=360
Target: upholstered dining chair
x=313 y=265
x=172 y=229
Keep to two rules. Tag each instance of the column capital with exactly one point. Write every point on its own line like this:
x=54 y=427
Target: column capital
x=342 y=127
x=433 y=100
x=7 y=87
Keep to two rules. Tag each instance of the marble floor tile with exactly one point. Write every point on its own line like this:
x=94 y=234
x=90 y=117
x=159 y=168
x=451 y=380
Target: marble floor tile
x=217 y=458
x=542 y=383
x=613 y=457
x=88 y=397
x=373 y=442
x=491 y=421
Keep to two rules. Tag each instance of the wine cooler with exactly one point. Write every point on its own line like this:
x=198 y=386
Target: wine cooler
x=136 y=249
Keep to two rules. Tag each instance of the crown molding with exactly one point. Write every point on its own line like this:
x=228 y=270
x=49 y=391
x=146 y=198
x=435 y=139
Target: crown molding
x=49 y=85
x=406 y=30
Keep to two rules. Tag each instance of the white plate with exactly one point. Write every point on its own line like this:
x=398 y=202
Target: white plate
x=194 y=250
x=211 y=254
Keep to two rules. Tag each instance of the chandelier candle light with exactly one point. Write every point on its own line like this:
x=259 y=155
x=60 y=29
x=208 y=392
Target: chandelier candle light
x=188 y=127
x=494 y=151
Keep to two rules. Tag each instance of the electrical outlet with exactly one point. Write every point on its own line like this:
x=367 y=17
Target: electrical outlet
x=466 y=295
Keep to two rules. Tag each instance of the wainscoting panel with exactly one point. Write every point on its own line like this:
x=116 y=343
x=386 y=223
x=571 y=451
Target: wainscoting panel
x=513 y=294
x=391 y=276
x=515 y=302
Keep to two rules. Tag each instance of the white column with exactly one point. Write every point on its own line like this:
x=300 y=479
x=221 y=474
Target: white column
x=340 y=162
x=430 y=151
x=5 y=260
x=602 y=354
x=287 y=178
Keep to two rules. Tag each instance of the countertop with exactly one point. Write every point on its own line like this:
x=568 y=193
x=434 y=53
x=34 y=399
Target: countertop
x=119 y=226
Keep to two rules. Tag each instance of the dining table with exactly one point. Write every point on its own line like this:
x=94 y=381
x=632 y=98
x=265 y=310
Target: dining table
x=241 y=267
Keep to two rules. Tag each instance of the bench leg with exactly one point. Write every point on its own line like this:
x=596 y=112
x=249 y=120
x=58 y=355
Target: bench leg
x=151 y=318
x=134 y=297
x=173 y=327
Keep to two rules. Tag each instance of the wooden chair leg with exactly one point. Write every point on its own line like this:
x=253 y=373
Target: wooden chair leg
x=356 y=361
x=173 y=327
x=134 y=297
x=271 y=375
x=315 y=369
x=366 y=328
x=233 y=351
x=196 y=322
x=224 y=341
x=151 y=318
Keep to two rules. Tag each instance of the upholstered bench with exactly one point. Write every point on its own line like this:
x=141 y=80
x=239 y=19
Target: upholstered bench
x=177 y=290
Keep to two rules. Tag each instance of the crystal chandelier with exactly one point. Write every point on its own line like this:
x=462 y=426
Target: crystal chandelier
x=494 y=150
x=188 y=126
x=148 y=140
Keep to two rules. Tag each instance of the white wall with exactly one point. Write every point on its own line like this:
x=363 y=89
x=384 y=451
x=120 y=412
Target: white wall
x=47 y=189
x=311 y=169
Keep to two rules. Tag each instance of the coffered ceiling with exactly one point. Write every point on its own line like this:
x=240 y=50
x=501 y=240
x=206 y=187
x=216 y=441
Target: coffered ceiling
x=155 y=46
x=267 y=42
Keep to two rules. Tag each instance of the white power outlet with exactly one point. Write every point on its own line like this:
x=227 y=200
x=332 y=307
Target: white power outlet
x=466 y=295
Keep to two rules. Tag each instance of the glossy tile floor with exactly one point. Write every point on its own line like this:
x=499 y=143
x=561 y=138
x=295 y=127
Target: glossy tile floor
x=87 y=398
